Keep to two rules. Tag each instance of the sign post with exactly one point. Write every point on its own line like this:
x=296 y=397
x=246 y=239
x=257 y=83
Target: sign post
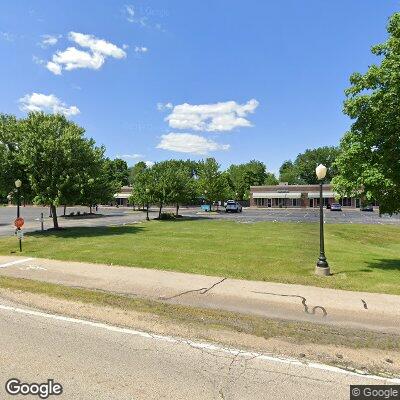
x=19 y=223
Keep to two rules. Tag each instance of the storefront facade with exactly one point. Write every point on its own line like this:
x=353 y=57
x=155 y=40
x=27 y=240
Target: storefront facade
x=296 y=196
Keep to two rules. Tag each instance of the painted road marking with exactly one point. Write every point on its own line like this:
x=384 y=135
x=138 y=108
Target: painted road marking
x=15 y=262
x=32 y=267
x=199 y=345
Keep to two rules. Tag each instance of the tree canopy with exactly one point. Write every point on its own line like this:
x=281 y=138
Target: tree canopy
x=302 y=170
x=369 y=161
x=242 y=176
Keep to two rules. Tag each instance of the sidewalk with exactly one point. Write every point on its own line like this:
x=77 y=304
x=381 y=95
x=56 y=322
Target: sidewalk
x=378 y=312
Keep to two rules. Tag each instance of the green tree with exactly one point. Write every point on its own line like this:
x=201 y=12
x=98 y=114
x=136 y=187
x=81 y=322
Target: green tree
x=56 y=157
x=369 y=160
x=242 y=176
x=212 y=184
x=288 y=173
x=117 y=172
x=138 y=168
x=12 y=167
x=270 y=179
x=99 y=181
x=143 y=188
x=183 y=189
x=163 y=185
x=306 y=163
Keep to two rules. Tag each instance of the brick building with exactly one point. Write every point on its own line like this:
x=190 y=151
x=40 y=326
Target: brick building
x=298 y=196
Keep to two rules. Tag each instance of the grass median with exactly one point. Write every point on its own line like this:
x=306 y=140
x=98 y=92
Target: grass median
x=362 y=257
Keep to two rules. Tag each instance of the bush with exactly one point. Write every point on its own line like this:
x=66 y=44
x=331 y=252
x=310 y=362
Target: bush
x=167 y=216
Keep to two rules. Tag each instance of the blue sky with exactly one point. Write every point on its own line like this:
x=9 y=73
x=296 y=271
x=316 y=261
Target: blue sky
x=153 y=80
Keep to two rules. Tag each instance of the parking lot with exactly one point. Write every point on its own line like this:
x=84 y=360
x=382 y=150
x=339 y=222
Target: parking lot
x=112 y=216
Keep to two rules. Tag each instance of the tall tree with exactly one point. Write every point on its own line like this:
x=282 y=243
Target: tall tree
x=57 y=158
x=212 y=184
x=12 y=167
x=143 y=188
x=306 y=163
x=369 y=161
x=242 y=176
x=163 y=184
x=118 y=172
x=288 y=173
x=183 y=189
x=270 y=179
x=138 y=168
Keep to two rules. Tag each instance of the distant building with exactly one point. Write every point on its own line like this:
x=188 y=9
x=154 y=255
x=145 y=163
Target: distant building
x=122 y=198
x=300 y=196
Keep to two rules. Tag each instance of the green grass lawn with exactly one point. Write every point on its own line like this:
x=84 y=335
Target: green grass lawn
x=362 y=257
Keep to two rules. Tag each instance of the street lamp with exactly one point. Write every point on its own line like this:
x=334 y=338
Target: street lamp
x=18 y=184
x=322 y=267
x=147 y=207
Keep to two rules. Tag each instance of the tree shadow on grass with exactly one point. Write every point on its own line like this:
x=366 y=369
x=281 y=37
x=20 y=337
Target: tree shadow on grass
x=183 y=218
x=89 y=216
x=80 y=232
x=385 y=264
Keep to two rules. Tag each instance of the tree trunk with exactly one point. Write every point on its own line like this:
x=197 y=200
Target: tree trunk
x=90 y=209
x=65 y=209
x=177 y=210
x=159 y=212
x=54 y=214
x=147 y=212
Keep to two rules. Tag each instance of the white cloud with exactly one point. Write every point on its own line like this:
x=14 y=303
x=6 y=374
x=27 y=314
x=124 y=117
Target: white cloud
x=49 y=40
x=141 y=49
x=54 y=67
x=73 y=58
x=188 y=143
x=125 y=46
x=98 y=46
x=149 y=164
x=131 y=156
x=223 y=116
x=164 y=106
x=47 y=103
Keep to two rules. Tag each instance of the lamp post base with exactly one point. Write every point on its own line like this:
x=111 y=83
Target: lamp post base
x=322 y=271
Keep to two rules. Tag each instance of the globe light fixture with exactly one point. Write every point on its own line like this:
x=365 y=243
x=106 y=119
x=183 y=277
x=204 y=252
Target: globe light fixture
x=320 y=171
x=18 y=183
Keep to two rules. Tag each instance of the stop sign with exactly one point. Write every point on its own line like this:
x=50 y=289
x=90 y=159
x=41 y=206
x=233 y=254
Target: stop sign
x=19 y=222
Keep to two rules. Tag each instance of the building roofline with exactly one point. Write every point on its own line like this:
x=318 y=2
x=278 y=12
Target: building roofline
x=290 y=186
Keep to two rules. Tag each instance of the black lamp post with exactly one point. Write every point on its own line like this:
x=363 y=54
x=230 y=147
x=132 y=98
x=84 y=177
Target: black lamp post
x=18 y=184
x=147 y=206
x=322 y=267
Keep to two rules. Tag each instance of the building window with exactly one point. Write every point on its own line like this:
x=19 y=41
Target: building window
x=345 y=201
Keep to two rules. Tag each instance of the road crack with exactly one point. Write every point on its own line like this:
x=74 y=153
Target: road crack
x=303 y=302
x=203 y=290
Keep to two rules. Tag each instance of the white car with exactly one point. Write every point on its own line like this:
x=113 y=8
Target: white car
x=233 y=206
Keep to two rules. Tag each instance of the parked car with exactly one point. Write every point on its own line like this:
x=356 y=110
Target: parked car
x=367 y=207
x=233 y=206
x=336 y=207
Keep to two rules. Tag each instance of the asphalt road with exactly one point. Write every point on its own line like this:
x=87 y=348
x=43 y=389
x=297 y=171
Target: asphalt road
x=119 y=216
x=96 y=361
